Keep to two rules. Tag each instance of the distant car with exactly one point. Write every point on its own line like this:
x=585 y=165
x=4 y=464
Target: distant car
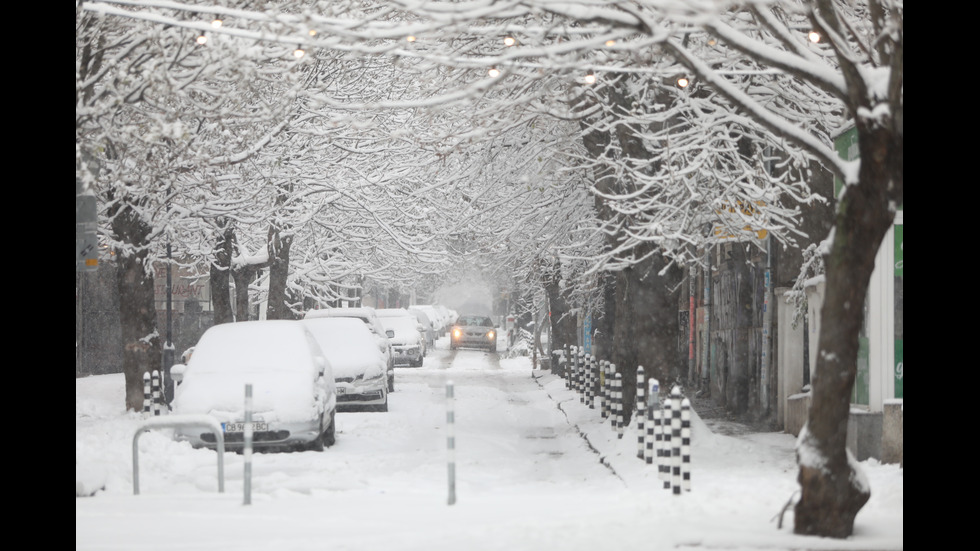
x=407 y=342
x=473 y=332
x=294 y=396
x=359 y=368
x=370 y=318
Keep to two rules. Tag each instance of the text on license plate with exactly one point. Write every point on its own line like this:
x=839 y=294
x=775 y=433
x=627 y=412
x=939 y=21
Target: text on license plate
x=240 y=427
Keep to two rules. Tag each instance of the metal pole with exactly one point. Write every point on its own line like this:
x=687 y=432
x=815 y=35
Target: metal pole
x=247 y=451
x=451 y=441
x=168 y=349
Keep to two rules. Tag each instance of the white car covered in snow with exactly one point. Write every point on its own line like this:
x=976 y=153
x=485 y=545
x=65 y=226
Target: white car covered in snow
x=359 y=368
x=293 y=391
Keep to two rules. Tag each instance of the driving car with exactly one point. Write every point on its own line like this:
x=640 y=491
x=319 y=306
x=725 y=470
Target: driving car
x=472 y=331
x=369 y=317
x=359 y=368
x=407 y=341
x=294 y=397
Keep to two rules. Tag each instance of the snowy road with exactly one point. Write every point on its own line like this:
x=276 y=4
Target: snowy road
x=535 y=470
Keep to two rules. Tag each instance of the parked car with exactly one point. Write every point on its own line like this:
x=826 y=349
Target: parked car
x=407 y=342
x=294 y=396
x=429 y=328
x=359 y=368
x=413 y=316
x=473 y=332
x=370 y=318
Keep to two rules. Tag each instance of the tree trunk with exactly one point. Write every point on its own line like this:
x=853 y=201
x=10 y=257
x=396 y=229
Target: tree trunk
x=142 y=352
x=279 y=246
x=833 y=490
x=220 y=277
x=564 y=326
x=646 y=329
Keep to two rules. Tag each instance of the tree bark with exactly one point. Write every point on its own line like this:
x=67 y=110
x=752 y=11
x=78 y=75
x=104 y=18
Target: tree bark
x=564 y=324
x=833 y=491
x=220 y=277
x=279 y=246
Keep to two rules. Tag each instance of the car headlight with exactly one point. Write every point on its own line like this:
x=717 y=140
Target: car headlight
x=457 y=333
x=490 y=335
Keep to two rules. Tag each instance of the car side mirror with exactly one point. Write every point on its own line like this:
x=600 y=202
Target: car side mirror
x=390 y=333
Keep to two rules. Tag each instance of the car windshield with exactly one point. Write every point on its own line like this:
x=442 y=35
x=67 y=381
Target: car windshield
x=479 y=321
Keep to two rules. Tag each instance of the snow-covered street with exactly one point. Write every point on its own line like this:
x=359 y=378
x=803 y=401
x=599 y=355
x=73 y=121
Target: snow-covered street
x=535 y=470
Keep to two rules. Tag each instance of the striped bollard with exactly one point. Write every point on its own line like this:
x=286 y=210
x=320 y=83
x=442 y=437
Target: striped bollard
x=157 y=395
x=618 y=400
x=686 y=445
x=652 y=409
x=590 y=382
x=247 y=447
x=663 y=445
x=603 y=396
x=581 y=376
x=451 y=441
x=575 y=368
x=641 y=411
x=675 y=440
x=569 y=352
x=147 y=394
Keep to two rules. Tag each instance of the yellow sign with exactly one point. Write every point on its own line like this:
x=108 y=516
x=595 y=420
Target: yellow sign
x=749 y=209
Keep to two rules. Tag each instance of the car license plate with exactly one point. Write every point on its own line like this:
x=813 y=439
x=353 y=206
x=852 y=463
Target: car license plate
x=240 y=427
x=341 y=390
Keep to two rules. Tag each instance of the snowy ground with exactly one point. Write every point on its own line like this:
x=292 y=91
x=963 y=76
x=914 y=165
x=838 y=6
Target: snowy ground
x=536 y=470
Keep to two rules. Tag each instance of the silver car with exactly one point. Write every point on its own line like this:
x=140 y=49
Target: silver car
x=294 y=397
x=473 y=332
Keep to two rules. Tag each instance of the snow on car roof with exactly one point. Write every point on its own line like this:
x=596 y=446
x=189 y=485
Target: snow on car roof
x=348 y=344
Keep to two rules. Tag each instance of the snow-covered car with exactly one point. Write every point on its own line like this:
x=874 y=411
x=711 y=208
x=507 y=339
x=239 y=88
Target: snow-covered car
x=423 y=328
x=407 y=341
x=294 y=396
x=359 y=368
x=473 y=332
x=429 y=328
x=370 y=318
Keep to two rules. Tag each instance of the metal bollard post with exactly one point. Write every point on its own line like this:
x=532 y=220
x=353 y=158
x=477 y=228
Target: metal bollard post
x=686 y=445
x=590 y=381
x=247 y=451
x=663 y=445
x=652 y=411
x=603 y=399
x=147 y=395
x=641 y=411
x=451 y=441
x=675 y=440
x=157 y=395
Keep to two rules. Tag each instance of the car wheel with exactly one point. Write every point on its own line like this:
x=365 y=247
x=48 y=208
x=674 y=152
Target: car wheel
x=391 y=383
x=330 y=435
x=316 y=445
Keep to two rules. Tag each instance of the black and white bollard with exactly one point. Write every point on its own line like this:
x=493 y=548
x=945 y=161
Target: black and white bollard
x=603 y=395
x=451 y=441
x=675 y=440
x=641 y=411
x=569 y=353
x=686 y=445
x=147 y=394
x=581 y=376
x=618 y=420
x=652 y=410
x=590 y=381
x=247 y=447
x=663 y=444
x=157 y=394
